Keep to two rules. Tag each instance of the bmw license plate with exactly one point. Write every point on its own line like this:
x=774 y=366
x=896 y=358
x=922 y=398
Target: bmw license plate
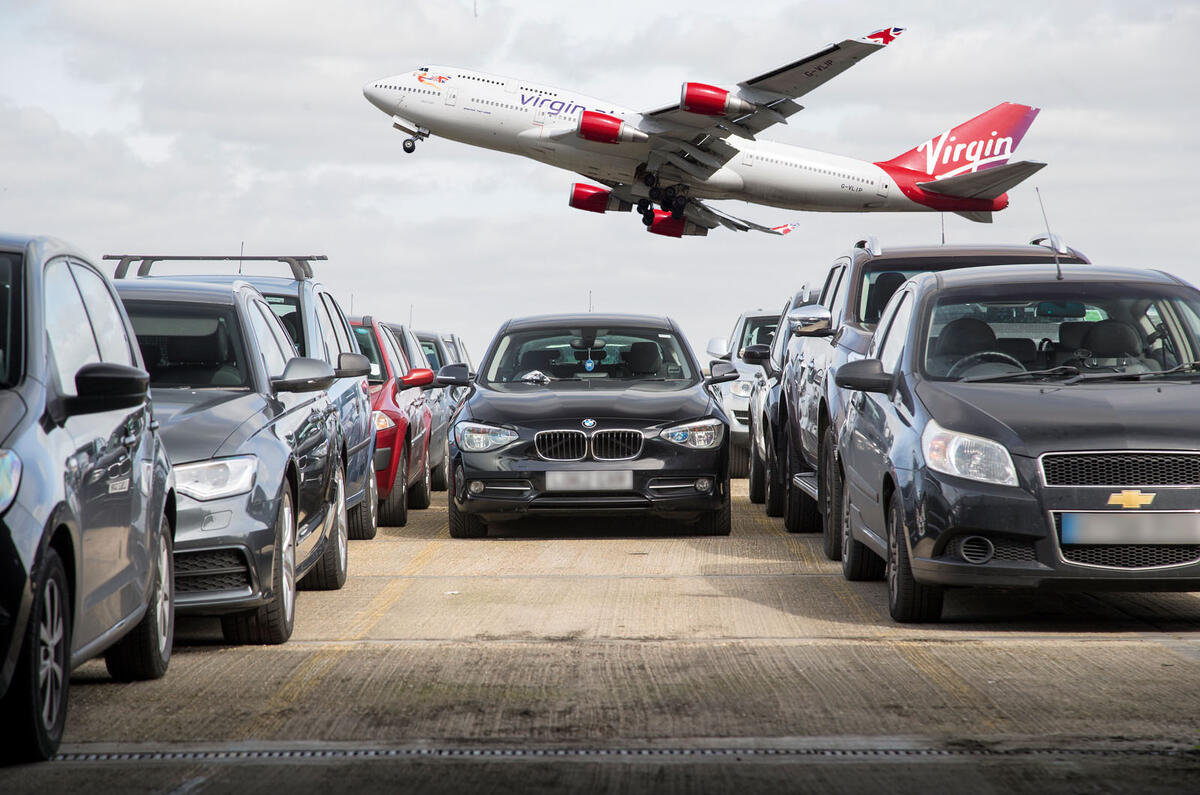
x=589 y=480
x=1111 y=527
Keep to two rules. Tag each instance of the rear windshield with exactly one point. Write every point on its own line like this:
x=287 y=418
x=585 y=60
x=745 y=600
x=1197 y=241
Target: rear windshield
x=11 y=324
x=590 y=354
x=370 y=348
x=288 y=309
x=193 y=346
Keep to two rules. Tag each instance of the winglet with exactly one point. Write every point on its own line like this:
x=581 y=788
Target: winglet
x=786 y=229
x=884 y=36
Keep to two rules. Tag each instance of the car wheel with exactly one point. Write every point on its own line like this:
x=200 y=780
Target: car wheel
x=800 y=511
x=720 y=521
x=364 y=519
x=772 y=485
x=35 y=706
x=330 y=572
x=831 y=499
x=858 y=561
x=758 y=491
x=739 y=461
x=464 y=525
x=440 y=476
x=273 y=622
x=419 y=494
x=393 y=511
x=908 y=600
x=145 y=652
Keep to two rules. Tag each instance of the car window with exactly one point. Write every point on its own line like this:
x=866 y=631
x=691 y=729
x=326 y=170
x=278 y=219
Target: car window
x=189 y=345
x=896 y=335
x=756 y=331
x=328 y=336
x=11 y=322
x=70 y=347
x=431 y=353
x=274 y=355
x=370 y=348
x=106 y=319
x=598 y=355
x=462 y=352
x=287 y=309
x=831 y=282
x=399 y=361
x=839 y=298
x=779 y=343
x=340 y=326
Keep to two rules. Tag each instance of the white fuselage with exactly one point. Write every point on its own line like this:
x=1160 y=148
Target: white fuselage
x=538 y=122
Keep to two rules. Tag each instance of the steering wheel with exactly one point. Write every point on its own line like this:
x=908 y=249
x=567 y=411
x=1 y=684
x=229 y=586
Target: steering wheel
x=982 y=356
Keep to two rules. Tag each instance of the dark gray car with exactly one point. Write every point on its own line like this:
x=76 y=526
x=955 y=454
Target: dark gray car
x=252 y=435
x=437 y=355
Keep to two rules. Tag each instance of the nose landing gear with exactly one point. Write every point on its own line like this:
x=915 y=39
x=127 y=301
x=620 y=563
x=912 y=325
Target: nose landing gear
x=410 y=145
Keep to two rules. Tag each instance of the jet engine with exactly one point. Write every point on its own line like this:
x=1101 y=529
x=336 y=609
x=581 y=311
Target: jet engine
x=664 y=223
x=712 y=101
x=596 y=200
x=605 y=129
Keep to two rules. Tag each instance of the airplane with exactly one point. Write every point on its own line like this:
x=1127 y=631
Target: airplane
x=666 y=162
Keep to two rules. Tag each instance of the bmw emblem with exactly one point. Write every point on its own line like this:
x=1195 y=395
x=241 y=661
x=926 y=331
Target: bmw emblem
x=589 y=423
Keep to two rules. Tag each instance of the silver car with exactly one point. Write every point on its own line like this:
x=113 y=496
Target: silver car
x=753 y=327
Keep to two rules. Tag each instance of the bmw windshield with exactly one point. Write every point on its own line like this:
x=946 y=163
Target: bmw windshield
x=10 y=318
x=599 y=356
x=1069 y=332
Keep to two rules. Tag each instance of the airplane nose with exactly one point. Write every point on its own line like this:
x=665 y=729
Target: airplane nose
x=374 y=95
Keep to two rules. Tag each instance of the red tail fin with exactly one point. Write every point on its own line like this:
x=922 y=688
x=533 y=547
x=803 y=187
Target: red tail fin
x=987 y=140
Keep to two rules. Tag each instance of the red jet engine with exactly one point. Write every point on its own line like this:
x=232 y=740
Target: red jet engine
x=605 y=129
x=596 y=200
x=712 y=101
x=666 y=224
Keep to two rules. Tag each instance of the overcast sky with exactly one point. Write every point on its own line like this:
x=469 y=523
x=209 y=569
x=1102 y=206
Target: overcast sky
x=191 y=128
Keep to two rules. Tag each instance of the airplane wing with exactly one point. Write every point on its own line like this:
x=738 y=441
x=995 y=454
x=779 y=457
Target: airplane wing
x=766 y=100
x=705 y=215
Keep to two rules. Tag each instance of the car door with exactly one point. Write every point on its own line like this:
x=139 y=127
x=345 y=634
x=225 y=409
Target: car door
x=412 y=399
x=816 y=355
x=351 y=396
x=879 y=415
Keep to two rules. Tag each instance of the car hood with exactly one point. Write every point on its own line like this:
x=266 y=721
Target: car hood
x=194 y=424
x=533 y=405
x=1031 y=419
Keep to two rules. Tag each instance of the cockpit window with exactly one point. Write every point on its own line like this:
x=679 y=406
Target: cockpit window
x=589 y=354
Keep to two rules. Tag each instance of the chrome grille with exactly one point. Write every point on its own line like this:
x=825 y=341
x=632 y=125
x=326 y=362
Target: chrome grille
x=1127 y=556
x=1115 y=470
x=561 y=445
x=616 y=445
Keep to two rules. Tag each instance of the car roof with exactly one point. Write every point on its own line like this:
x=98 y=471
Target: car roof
x=265 y=284
x=759 y=313
x=159 y=289
x=1042 y=274
x=590 y=319
x=950 y=251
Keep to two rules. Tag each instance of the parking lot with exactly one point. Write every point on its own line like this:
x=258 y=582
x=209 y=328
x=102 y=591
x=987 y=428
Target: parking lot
x=610 y=654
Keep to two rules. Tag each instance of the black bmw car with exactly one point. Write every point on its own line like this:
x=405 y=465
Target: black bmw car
x=589 y=414
x=1015 y=428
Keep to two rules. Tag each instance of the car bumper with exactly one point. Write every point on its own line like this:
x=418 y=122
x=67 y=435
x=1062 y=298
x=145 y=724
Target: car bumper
x=224 y=554
x=16 y=595
x=1022 y=527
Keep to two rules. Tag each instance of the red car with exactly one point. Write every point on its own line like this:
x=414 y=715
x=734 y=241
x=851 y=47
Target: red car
x=402 y=421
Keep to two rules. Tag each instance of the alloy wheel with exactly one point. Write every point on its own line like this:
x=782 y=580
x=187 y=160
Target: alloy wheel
x=288 y=554
x=893 y=581
x=51 y=653
x=162 y=607
x=343 y=521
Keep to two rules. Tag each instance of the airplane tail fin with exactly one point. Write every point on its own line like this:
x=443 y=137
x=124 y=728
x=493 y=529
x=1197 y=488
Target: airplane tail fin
x=984 y=142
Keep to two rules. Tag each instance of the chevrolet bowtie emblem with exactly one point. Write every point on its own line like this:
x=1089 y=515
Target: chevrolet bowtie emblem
x=1130 y=499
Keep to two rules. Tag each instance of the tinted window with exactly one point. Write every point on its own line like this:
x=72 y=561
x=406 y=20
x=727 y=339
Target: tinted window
x=328 y=336
x=370 y=348
x=11 y=323
x=591 y=354
x=431 y=353
x=273 y=355
x=757 y=331
x=399 y=361
x=287 y=308
x=191 y=346
x=71 y=346
x=897 y=333
x=345 y=344
x=105 y=316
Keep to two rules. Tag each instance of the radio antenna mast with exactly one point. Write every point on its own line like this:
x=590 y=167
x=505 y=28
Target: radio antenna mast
x=1049 y=234
x=241 y=254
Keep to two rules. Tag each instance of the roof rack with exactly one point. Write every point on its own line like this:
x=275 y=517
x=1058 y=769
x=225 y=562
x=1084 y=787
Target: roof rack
x=1052 y=242
x=871 y=244
x=300 y=264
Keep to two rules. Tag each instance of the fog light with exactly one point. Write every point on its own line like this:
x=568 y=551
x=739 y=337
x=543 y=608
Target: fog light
x=704 y=484
x=476 y=487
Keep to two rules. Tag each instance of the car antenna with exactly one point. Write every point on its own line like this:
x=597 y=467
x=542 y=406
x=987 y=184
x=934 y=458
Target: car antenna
x=1049 y=234
x=943 y=217
x=241 y=254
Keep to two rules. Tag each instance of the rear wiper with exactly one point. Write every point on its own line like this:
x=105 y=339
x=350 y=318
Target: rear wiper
x=1062 y=369
x=1187 y=368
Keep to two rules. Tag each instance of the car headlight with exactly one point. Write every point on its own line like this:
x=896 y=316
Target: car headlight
x=382 y=421
x=966 y=456
x=699 y=435
x=221 y=477
x=474 y=437
x=10 y=478
x=741 y=388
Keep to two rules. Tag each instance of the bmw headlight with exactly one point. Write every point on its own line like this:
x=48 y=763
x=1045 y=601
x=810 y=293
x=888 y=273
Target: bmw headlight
x=741 y=388
x=221 y=477
x=475 y=437
x=382 y=421
x=699 y=435
x=966 y=456
x=10 y=478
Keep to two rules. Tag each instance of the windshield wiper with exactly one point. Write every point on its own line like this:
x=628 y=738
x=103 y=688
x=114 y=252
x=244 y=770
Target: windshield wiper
x=1187 y=368
x=1062 y=369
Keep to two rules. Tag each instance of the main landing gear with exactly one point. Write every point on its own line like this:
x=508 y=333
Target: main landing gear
x=671 y=198
x=410 y=145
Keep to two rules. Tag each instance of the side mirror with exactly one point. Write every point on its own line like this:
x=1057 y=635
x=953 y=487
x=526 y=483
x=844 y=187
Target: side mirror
x=812 y=320
x=864 y=375
x=720 y=372
x=352 y=365
x=302 y=374
x=718 y=348
x=454 y=375
x=756 y=354
x=421 y=376
x=107 y=386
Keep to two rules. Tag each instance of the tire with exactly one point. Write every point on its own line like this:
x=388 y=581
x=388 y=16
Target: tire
x=35 y=709
x=718 y=522
x=440 y=476
x=859 y=563
x=772 y=485
x=909 y=602
x=409 y=145
x=800 y=511
x=831 y=499
x=464 y=525
x=330 y=572
x=419 y=494
x=393 y=511
x=273 y=622
x=364 y=519
x=739 y=462
x=145 y=652
x=758 y=486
